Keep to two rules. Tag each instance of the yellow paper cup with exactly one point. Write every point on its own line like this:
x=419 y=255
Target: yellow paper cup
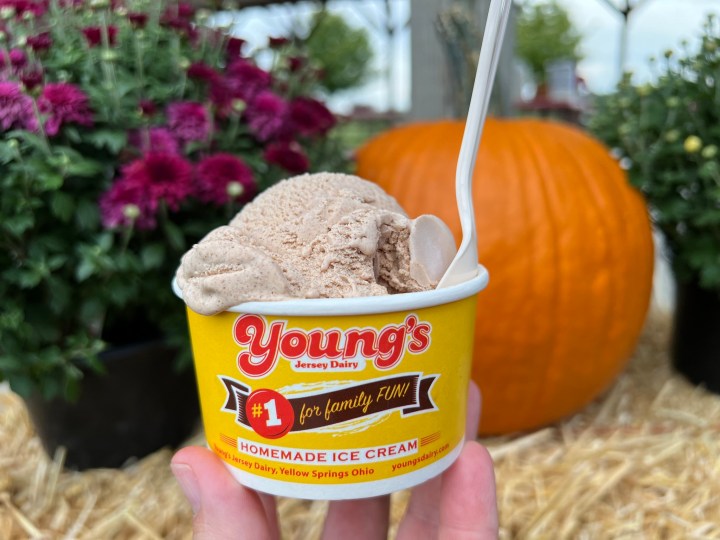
x=337 y=398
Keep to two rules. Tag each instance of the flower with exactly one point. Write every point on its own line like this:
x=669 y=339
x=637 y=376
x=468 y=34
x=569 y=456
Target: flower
x=223 y=177
x=31 y=77
x=277 y=42
x=163 y=178
x=267 y=116
x=93 y=35
x=288 y=155
x=295 y=63
x=310 y=117
x=233 y=47
x=155 y=139
x=125 y=204
x=40 y=42
x=188 y=121
x=202 y=72
x=18 y=58
x=137 y=19
x=147 y=107
x=64 y=103
x=245 y=80
x=16 y=108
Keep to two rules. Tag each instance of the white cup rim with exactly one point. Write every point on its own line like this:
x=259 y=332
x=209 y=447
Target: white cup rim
x=319 y=307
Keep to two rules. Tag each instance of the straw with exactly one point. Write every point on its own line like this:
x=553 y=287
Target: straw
x=643 y=461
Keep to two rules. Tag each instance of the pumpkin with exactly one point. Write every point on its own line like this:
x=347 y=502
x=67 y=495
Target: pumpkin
x=569 y=248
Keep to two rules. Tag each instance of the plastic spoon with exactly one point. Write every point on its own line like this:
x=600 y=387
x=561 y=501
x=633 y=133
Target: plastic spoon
x=465 y=264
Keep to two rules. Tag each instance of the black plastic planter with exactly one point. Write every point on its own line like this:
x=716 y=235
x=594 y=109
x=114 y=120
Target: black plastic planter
x=140 y=405
x=696 y=335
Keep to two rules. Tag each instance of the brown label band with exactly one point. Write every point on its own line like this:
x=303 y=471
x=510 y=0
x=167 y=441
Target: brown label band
x=410 y=393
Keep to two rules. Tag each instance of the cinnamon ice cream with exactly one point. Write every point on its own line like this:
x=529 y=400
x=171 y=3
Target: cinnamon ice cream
x=324 y=235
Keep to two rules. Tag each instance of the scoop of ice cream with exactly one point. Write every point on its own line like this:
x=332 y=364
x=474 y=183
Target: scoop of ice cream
x=322 y=235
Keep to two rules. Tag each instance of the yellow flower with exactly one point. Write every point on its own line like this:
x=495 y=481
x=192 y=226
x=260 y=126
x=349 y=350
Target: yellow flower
x=692 y=144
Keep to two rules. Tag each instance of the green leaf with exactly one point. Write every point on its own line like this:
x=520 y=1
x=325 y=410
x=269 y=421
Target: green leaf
x=174 y=235
x=17 y=225
x=85 y=269
x=152 y=256
x=87 y=215
x=112 y=140
x=62 y=206
x=91 y=311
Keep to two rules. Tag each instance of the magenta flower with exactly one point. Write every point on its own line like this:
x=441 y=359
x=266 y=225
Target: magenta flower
x=233 y=48
x=64 y=103
x=146 y=183
x=310 y=117
x=267 y=116
x=40 y=42
x=147 y=107
x=155 y=139
x=202 y=72
x=16 y=109
x=288 y=155
x=126 y=204
x=93 y=35
x=31 y=76
x=18 y=58
x=188 y=120
x=222 y=178
x=24 y=6
x=245 y=80
x=296 y=63
x=277 y=42
x=138 y=19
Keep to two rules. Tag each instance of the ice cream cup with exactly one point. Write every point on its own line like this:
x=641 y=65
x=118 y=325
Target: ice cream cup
x=337 y=398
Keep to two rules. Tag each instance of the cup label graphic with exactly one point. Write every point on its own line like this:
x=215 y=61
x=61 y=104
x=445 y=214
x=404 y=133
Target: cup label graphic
x=335 y=406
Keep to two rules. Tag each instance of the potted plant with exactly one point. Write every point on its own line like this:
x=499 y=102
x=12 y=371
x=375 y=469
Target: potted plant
x=667 y=135
x=127 y=131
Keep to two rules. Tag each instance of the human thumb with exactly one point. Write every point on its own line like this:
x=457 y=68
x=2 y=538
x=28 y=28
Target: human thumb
x=223 y=509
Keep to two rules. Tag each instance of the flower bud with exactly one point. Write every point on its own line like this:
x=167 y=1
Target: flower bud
x=672 y=102
x=202 y=15
x=13 y=144
x=710 y=46
x=21 y=41
x=644 y=90
x=7 y=12
x=3 y=36
x=238 y=105
x=625 y=163
x=624 y=129
x=108 y=55
x=28 y=16
x=709 y=152
x=235 y=189
x=99 y=4
x=668 y=53
x=131 y=211
x=692 y=144
x=183 y=63
x=672 y=136
x=616 y=153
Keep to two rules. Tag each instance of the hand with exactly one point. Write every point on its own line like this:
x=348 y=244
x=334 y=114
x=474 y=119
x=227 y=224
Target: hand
x=459 y=504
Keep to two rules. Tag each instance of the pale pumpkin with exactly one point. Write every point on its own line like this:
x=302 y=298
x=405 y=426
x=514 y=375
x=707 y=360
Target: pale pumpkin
x=568 y=245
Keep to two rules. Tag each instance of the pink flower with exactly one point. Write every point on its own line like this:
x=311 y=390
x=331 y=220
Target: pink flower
x=188 y=120
x=156 y=139
x=295 y=63
x=245 y=80
x=310 y=117
x=222 y=178
x=40 y=42
x=24 y=6
x=64 y=103
x=126 y=204
x=93 y=35
x=145 y=183
x=16 y=109
x=288 y=155
x=267 y=116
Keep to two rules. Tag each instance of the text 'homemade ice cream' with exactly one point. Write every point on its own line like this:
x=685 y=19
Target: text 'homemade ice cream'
x=322 y=235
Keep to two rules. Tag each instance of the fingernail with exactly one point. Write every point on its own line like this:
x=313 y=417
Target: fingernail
x=189 y=484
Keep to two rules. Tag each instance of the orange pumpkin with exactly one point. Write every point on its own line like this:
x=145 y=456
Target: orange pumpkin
x=569 y=249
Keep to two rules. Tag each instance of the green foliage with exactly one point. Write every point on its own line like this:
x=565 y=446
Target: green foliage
x=69 y=285
x=341 y=52
x=667 y=135
x=545 y=33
